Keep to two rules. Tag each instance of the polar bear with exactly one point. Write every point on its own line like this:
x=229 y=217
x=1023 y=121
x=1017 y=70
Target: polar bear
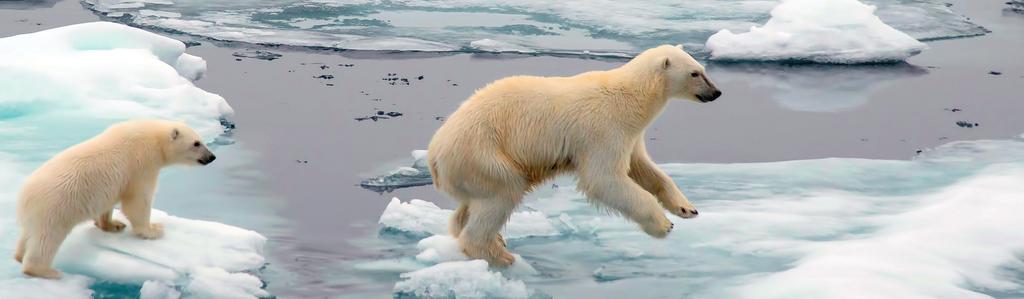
x=520 y=131
x=85 y=181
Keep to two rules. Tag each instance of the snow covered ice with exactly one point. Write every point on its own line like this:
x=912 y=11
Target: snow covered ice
x=615 y=28
x=61 y=86
x=834 y=31
x=942 y=224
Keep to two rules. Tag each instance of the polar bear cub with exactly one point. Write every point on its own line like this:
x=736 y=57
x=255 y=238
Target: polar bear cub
x=520 y=131
x=85 y=181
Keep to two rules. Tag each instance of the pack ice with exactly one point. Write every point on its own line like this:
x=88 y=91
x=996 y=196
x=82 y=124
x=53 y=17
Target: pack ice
x=61 y=86
x=942 y=225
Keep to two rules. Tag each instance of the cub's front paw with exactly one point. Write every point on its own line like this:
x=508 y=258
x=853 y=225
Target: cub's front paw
x=154 y=231
x=658 y=226
x=112 y=226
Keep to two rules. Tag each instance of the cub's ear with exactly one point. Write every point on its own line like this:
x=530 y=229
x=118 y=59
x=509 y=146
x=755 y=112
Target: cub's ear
x=665 y=63
x=175 y=134
x=680 y=46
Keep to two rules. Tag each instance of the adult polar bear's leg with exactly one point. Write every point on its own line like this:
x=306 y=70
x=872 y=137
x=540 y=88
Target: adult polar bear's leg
x=603 y=174
x=643 y=170
x=137 y=203
x=480 y=236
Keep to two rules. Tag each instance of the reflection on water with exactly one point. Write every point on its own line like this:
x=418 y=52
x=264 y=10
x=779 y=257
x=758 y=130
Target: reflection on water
x=817 y=88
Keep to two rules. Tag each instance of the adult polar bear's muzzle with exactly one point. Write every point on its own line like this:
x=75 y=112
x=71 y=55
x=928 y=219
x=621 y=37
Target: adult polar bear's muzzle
x=709 y=92
x=207 y=159
x=709 y=97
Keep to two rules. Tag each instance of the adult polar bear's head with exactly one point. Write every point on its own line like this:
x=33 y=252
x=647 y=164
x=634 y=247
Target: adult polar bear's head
x=683 y=77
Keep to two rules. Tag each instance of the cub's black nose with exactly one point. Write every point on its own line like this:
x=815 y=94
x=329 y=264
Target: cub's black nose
x=716 y=94
x=207 y=160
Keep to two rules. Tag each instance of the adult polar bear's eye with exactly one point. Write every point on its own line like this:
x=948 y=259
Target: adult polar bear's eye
x=196 y=144
x=694 y=74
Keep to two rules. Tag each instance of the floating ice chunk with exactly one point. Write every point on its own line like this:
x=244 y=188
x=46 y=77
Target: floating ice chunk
x=425 y=218
x=530 y=224
x=834 y=31
x=257 y=54
x=490 y=45
x=444 y=248
x=190 y=67
x=402 y=177
x=464 y=279
x=158 y=290
x=416 y=216
x=438 y=249
x=106 y=70
x=216 y=283
x=187 y=245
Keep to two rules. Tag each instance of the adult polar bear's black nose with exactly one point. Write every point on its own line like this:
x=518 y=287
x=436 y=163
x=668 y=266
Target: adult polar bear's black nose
x=207 y=160
x=710 y=96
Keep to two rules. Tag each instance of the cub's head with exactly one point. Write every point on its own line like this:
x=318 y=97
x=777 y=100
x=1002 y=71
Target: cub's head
x=186 y=146
x=684 y=77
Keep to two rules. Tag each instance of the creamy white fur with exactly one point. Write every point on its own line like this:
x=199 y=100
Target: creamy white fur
x=520 y=131
x=87 y=180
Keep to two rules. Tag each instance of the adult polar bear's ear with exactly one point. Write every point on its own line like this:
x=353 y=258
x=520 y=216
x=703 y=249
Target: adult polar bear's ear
x=175 y=134
x=680 y=46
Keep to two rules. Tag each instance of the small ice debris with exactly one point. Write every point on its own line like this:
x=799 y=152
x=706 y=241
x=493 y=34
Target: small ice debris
x=347 y=65
x=157 y=13
x=996 y=73
x=420 y=77
x=158 y=290
x=256 y=54
x=490 y=45
x=324 y=67
x=416 y=175
x=191 y=43
x=953 y=109
x=966 y=124
x=325 y=77
x=462 y=279
x=835 y=31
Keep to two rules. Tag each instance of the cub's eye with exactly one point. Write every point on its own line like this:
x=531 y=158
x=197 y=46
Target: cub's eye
x=197 y=144
x=694 y=74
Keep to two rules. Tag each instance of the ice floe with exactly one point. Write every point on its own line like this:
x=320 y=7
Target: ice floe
x=833 y=31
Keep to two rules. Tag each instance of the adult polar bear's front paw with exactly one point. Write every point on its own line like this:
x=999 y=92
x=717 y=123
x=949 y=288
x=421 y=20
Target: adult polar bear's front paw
x=684 y=211
x=657 y=226
x=154 y=231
